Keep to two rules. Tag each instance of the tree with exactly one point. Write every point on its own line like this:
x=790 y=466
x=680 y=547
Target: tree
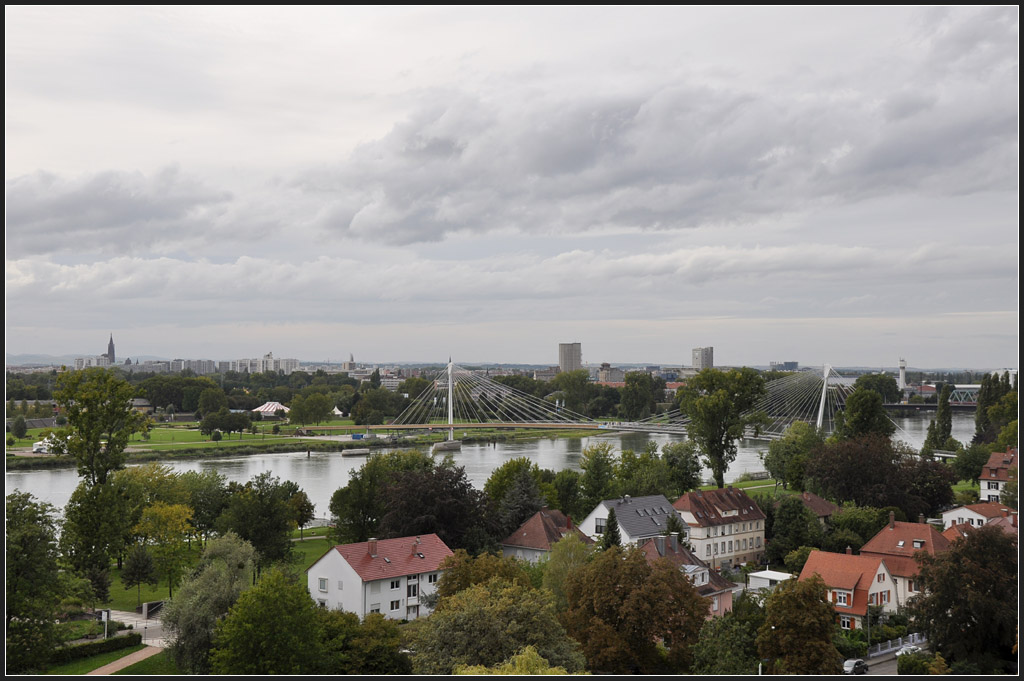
x=485 y=624
x=166 y=528
x=719 y=404
x=598 y=479
x=787 y=457
x=258 y=512
x=611 y=536
x=864 y=414
x=18 y=427
x=970 y=461
x=796 y=637
x=644 y=474
x=684 y=466
x=212 y=400
x=520 y=502
x=574 y=386
x=461 y=571
x=567 y=555
x=204 y=597
x=271 y=629
x=620 y=606
x=726 y=646
x=568 y=487
x=438 y=500
x=138 y=569
x=526 y=662
x=1009 y=494
x=794 y=526
x=94 y=530
x=31 y=581
x=300 y=509
x=967 y=602
x=637 y=400
x=372 y=646
x=928 y=486
x=101 y=420
x=865 y=470
x=357 y=508
x=940 y=430
x=883 y=384
x=207 y=494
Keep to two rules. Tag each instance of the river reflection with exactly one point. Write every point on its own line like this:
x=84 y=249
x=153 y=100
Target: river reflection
x=323 y=472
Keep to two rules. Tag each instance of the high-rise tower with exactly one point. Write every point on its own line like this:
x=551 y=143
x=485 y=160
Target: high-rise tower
x=703 y=358
x=570 y=356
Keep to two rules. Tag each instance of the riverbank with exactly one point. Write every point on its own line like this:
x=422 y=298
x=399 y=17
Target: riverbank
x=227 y=449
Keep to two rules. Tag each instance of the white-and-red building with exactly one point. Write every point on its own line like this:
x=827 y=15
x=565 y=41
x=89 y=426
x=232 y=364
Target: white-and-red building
x=389 y=576
x=726 y=526
x=709 y=584
x=897 y=543
x=996 y=473
x=854 y=583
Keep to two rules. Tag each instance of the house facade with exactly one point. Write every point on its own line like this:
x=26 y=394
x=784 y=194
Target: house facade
x=854 y=583
x=638 y=518
x=387 y=576
x=534 y=538
x=996 y=473
x=897 y=543
x=709 y=584
x=726 y=526
x=976 y=515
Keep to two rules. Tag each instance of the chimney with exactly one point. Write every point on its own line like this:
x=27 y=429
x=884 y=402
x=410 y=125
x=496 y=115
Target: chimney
x=371 y=547
x=920 y=518
x=568 y=522
x=849 y=550
x=892 y=520
x=1006 y=513
x=807 y=496
x=659 y=543
x=675 y=543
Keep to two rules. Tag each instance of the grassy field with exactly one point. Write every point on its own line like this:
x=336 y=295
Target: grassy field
x=86 y=665
x=159 y=664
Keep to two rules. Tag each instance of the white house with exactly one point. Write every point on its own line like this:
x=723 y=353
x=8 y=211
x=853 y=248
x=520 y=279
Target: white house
x=975 y=515
x=638 y=518
x=854 y=583
x=763 y=580
x=996 y=473
x=389 y=576
x=726 y=526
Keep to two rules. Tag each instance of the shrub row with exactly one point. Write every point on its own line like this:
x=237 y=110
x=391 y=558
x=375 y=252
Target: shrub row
x=77 y=652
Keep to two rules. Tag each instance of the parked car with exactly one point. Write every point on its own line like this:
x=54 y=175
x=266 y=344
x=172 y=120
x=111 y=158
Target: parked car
x=855 y=667
x=909 y=650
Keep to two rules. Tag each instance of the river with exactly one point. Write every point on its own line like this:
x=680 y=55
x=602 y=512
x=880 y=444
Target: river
x=323 y=472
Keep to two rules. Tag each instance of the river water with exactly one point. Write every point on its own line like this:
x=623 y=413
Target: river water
x=323 y=472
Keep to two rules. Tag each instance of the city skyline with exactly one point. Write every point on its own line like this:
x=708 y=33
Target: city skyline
x=835 y=185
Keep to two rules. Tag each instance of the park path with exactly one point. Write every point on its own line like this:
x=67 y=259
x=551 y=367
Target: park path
x=126 y=661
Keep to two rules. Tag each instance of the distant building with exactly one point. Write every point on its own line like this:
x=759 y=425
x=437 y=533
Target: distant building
x=538 y=533
x=104 y=360
x=267 y=363
x=638 y=518
x=703 y=358
x=609 y=374
x=570 y=357
x=712 y=586
x=726 y=526
x=996 y=473
x=784 y=366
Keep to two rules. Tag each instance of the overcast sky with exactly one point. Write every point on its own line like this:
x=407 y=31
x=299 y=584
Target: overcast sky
x=815 y=184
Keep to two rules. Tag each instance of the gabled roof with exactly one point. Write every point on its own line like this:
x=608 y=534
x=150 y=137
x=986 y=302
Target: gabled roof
x=988 y=509
x=710 y=508
x=680 y=556
x=395 y=557
x=641 y=516
x=542 y=530
x=822 y=508
x=844 y=571
x=896 y=543
x=999 y=463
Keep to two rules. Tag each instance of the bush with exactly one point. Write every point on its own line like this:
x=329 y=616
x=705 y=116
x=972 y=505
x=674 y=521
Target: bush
x=215 y=436
x=77 y=652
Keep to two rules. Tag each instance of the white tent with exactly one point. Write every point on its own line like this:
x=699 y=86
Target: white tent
x=270 y=408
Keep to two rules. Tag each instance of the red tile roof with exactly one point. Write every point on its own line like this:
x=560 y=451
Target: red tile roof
x=955 y=531
x=989 y=509
x=679 y=555
x=542 y=530
x=847 y=572
x=395 y=557
x=1000 y=464
x=708 y=506
x=900 y=559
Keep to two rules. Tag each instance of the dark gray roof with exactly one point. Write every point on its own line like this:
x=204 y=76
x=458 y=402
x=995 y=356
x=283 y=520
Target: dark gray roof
x=641 y=516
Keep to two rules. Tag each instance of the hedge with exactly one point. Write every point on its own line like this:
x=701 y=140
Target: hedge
x=77 y=652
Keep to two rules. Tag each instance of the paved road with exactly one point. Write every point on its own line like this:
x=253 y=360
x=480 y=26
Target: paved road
x=152 y=630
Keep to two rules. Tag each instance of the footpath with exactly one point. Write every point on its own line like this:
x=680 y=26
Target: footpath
x=152 y=637
x=126 y=661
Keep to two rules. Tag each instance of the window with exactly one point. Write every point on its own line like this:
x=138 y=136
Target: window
x=375 y=607
x=919 y=543
x=744 y=544
x=842 y=598
x=730 y=547
x=845 y=622
x=432 y=578
x=341 y=585
x=412 y=590
x=910 y=585
x=396 y=584
x=599 y=525
x=880 y=578
x=321 y=602
x=714 y=603
x=715 y=545
x=993 y=485
x=323 y=583
x=395 y=605
x=708 y=552
x=758 y=542
x=885 y=596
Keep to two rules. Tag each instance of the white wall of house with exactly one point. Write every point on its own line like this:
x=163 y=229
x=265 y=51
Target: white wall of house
x=729 y=545
x=522 y=553
x=963 y=515
x=333 y=584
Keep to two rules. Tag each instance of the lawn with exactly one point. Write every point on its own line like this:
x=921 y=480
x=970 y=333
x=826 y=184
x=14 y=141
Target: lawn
x=159 y=664
x=126 y=598
x=305 y=553
x=86 y=665
x=76 y=629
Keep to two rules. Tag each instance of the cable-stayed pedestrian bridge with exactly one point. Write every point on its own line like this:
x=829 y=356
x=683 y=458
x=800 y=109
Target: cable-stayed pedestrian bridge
x=460 y=398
